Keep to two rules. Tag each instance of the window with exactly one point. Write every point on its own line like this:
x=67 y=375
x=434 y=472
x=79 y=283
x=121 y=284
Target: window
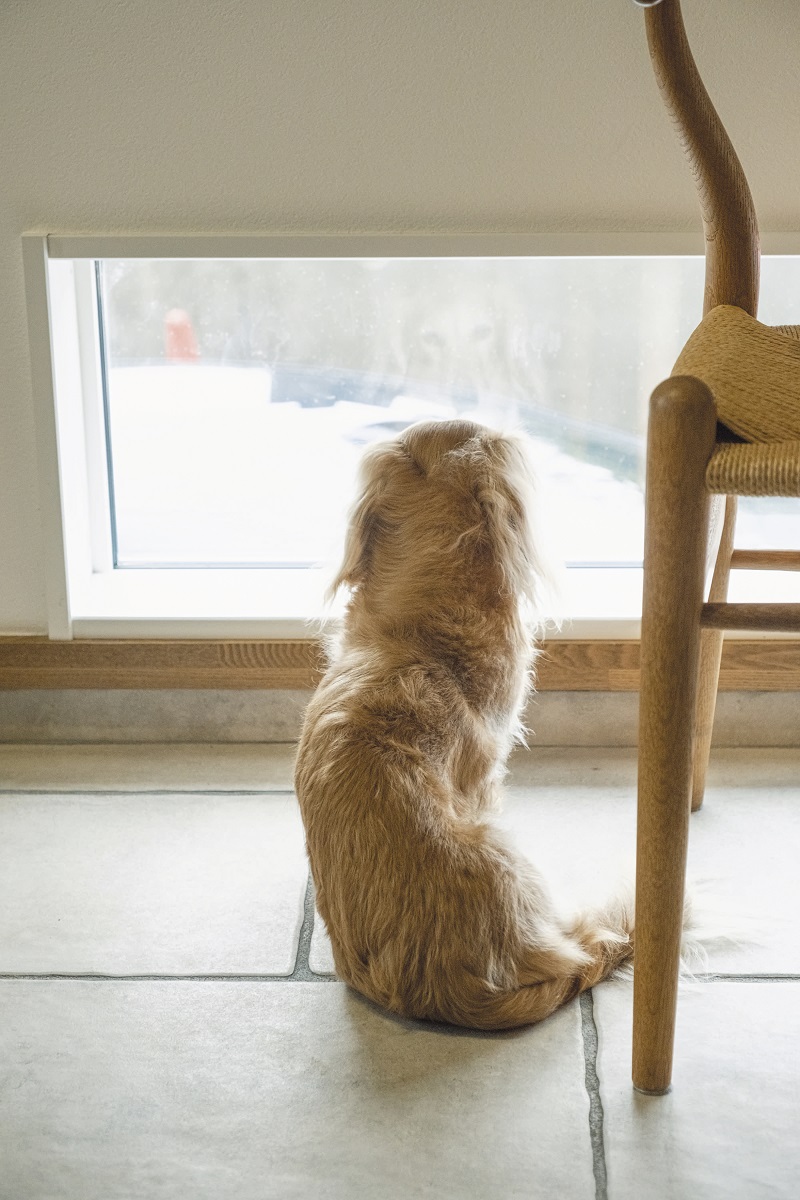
x=211 y=409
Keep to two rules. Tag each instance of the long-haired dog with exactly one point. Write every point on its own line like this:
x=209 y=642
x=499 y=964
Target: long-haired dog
x=430 y=912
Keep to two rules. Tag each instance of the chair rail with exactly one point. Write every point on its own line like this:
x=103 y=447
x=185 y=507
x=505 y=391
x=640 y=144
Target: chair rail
x=766 y=560
x=784 y=618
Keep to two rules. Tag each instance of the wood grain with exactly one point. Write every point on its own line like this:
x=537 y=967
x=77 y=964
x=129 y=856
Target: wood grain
x=563 y=666
x=680 y=440
x=765 y=560
x=729 y=215
x=711 y=641
x=129 y=663
x=770 y=617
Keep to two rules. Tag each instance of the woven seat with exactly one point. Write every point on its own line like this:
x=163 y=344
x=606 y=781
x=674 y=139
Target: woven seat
x=753 y=371
x=755 y=469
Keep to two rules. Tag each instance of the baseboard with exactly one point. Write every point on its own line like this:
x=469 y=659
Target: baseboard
x=565 y=665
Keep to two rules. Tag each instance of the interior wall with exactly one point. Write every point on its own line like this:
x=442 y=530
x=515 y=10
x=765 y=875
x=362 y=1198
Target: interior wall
x=240 y=116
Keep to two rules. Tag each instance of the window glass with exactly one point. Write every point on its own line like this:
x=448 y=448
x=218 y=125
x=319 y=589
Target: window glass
x=239 y=394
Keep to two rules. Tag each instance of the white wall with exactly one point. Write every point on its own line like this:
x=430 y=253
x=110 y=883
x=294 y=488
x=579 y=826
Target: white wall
x=340 y=115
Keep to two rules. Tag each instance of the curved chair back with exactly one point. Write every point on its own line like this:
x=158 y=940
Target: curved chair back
x=729 y=217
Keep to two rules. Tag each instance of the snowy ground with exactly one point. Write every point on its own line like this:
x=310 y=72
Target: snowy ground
x=207 y=470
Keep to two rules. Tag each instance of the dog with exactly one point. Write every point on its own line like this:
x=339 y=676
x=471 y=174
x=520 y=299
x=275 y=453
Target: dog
x=431 y=912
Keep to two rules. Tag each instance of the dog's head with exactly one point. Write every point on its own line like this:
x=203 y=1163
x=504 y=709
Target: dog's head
x=445 y=507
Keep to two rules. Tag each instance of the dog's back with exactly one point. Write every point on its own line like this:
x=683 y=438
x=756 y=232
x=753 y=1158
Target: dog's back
x=430 y=912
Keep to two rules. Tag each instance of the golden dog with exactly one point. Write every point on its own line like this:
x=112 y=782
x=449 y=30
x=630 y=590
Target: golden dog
x=430 y=912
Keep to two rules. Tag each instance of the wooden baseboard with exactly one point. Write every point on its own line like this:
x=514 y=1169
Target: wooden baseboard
x=581 y=666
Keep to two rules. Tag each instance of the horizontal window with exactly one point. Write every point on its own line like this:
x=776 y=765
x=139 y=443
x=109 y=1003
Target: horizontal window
x=211 y=413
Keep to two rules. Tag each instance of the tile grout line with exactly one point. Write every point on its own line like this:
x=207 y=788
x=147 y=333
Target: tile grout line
x=589 y=1032
x=199 y=791
x=122 y=744
x=6 y=976
x=302 y=971
x=744 y=977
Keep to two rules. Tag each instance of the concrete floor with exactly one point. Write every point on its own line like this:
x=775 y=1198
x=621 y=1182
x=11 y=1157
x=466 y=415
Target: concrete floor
x=170 y=1027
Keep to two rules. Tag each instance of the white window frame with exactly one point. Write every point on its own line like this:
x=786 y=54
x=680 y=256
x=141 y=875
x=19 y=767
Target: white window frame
x=86 y=597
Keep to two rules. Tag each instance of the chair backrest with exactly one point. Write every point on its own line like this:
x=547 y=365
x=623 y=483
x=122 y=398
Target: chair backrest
x=729 y=217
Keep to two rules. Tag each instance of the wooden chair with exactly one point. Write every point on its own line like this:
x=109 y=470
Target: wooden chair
x=726 y=423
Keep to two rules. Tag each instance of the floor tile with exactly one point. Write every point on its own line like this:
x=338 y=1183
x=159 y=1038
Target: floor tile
x=755 y=767
x=320 y=958
x=540 y=766
x=728 y=1129
x=150 y=884
x=616 y=766
x=743 y=852
x=573 y=814
x=137 y=767
x=742 y=848
x=279 y=1092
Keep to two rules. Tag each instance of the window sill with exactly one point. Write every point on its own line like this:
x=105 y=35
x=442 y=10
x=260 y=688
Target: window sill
x=200 y=603
x=253 y=603
x=597 y=603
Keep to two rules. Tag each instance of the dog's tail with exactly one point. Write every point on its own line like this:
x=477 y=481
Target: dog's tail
x=602 y=942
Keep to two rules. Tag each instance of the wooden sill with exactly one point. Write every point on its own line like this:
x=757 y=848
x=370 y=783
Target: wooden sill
x=580 y=666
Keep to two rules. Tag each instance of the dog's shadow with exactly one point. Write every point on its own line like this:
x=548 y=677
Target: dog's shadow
x=439 y=1028
x=397 y=1061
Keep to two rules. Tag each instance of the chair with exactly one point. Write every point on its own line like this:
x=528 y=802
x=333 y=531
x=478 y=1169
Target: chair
x=726 y=423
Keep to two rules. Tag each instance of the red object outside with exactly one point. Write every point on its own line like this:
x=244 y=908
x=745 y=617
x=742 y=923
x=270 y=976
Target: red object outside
x=180 y=342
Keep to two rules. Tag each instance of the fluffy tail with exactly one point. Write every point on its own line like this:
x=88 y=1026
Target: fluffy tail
x=602 y=941
x=597 y=943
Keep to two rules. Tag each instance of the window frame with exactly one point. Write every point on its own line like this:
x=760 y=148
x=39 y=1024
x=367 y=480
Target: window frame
x=86 y=597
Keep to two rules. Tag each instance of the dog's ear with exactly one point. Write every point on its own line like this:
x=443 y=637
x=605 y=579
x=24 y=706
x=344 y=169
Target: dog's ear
x=365 y=518
x=505 y=493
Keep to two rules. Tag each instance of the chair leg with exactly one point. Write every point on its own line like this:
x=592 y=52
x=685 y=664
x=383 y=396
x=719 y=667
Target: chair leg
x=710 y=657
x=681 y=437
